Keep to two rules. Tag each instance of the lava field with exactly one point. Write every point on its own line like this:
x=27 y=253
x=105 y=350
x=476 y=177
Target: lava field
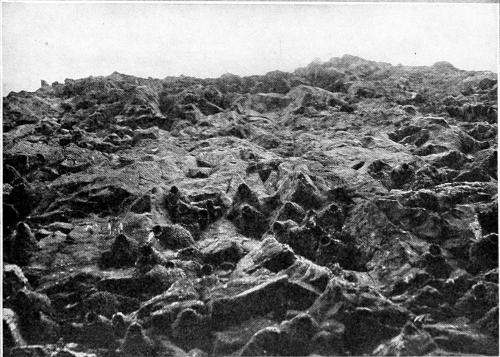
x=346 y=208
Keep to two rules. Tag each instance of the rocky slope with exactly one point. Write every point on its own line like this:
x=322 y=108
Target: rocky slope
x=347 y=208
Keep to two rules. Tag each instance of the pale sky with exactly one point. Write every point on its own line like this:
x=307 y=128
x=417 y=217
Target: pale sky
x=54 y=41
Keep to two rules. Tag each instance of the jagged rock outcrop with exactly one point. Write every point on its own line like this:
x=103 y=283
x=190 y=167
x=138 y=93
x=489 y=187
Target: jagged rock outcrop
x=347 y=208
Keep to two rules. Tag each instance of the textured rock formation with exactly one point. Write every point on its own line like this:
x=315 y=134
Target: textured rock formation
x=347 y=208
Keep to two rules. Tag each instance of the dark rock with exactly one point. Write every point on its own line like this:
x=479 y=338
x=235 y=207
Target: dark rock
x=401 y=175
x=42 y=233
x=291 y=338
x=150 y=257
x=461 y=340
x=143 y=134
x=10 y=218
x=478 y=300
x=13 y=280
x=162 y=313
x=235 y=337
x=224 y=250
x=291 y=210
x=107 y=304
x=483 y=253
x=435 y=263
x=342 y=252
x=276 y=296
x=487 y=161
x=173 y=236
x=303 y=239
x=453 y=194
x=403 y=132
x=297 y=335
x=472 y=175
x=481 y=131
x=120 y=324
x=489 y=322
x=199 y=172
x=274 y=256
x=412 y=341
x=331 y=218
x=190 y=328
x=60 y=226
x=424 y=199
x=98 y=331
x=347 y=208
x=245 y=195
x=486 y=83
x=160 y=278
x=304 y=192
x=207 y=269
x=488 y=217
x=142 y=204
x=22 y=246
x=269 y=204
x=380 y=170
x=136 y=343
x=475 y=112
x=250 y=221
x=10 y=174
x=364 y=313
x=427 y=296
x=36 y=318
x=72 y=166
x=266 y=342
x=452 y=159
x=123 y=253
x=27 y=303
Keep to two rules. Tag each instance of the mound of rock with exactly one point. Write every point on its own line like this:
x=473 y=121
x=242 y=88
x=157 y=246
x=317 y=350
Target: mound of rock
x=347 y=208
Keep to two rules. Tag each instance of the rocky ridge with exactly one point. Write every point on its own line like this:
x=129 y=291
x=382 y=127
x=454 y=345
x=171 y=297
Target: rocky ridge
x=347 y=208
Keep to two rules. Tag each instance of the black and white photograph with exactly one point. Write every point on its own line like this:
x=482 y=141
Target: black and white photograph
x=249 y=178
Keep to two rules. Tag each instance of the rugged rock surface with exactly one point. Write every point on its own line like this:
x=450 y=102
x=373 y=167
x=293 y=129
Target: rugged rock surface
x=347 y=208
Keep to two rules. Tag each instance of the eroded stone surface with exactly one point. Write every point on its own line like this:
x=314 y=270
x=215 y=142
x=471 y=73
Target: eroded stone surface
x=347 y=208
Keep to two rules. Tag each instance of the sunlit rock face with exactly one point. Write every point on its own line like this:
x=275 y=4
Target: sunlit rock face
x=346 y=208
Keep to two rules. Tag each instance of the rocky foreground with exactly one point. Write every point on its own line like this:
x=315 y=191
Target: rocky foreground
x=347 y=208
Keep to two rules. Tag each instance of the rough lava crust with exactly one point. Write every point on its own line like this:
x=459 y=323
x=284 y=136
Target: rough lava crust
x=347 y=208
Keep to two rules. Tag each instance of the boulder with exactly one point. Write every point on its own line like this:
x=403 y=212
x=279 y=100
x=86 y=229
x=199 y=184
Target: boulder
x=222 y=250
x=362 y=312
x=235 y=337
x=456 y=339
x=273 y=256
x=412 y=341
x=123 y=253
x=22 y=246
x=276 y=295
x=11 y=330
x=13 y=280
x=291 y=210
x=483 y=253
x=173 y=236
x=136 y=342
